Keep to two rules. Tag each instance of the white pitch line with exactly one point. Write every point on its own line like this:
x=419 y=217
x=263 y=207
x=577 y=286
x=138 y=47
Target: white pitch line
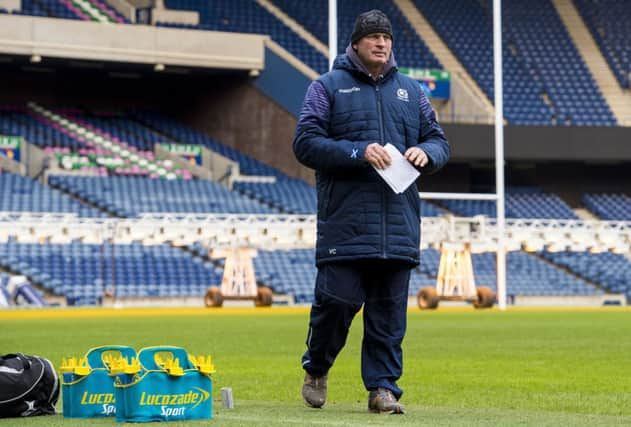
x=286 y=421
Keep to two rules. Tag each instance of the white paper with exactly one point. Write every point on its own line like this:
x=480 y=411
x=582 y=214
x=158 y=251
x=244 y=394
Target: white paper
x=400 y=174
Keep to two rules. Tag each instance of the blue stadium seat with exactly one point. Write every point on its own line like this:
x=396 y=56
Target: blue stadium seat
x=536 y=63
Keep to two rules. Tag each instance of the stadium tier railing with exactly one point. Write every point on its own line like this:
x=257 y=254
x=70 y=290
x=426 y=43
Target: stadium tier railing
x=268 y=231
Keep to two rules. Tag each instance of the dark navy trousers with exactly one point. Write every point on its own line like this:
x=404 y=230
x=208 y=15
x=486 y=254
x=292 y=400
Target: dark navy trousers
x=381 y=286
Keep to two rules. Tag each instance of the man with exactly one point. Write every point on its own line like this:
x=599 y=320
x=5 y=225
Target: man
x=368 y=237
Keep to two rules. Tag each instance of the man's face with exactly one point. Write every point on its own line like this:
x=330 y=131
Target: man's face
x=374 y=49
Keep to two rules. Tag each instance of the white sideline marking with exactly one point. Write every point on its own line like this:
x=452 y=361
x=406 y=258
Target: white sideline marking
x=300 y=422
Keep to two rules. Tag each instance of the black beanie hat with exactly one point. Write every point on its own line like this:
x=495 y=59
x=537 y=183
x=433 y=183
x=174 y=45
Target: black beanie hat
x=373 y=21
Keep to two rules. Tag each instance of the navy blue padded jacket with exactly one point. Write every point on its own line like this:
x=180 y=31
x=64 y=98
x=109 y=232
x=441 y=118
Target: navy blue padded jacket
x=345 y=110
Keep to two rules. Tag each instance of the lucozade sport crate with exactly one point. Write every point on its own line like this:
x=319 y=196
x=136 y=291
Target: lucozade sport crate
x=169 y=385
x=87 y=386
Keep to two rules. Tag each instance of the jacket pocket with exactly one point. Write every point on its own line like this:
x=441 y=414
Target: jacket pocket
x=414 y=200
x=326 y=199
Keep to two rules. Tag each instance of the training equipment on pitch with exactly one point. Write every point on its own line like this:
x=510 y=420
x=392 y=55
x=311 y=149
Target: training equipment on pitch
x=455 y=280
x=87 y=384
x=164 y=384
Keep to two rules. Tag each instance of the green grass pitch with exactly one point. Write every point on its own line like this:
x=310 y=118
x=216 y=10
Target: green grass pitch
x=462 y=367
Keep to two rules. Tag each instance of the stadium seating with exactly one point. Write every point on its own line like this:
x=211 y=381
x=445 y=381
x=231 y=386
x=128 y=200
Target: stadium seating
x=245 y=16
x=526 y=275
x=120 y=126
x=178 y=132
x=288 y=196
x=51 y=8
x=129 y=196
x=21 y=194
x=83 y=272
x=19 y=121
x=410 y=50
x=612 y=271
x=614 y=207
x=608 y=22
x=517 y=205
x=86 y=10
x=294 y=272
x=536 y=63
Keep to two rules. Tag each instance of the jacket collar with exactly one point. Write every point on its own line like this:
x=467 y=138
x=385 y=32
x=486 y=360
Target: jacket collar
x=350 y=61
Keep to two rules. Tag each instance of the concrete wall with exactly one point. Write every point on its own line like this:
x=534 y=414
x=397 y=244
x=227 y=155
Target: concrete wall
x=11 y=5
x=11 y=165
x=23 y=35
x=463 y=106
x=542 y=143
x=282 y=80
x=242 y=117
x=161 y=14
x=125 y=8
x=141 y=3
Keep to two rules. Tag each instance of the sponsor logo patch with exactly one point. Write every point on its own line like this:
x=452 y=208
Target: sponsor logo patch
x=402 y=94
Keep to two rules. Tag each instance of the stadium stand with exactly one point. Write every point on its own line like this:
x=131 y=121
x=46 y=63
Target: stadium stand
x=612 y=271
x=21 y=194
x=608 y=22
x=244 y=16
x=284 y=271
x=546 y=82
x=293 y=272
x=51 y=9
x=288 y=196
x=551 y=56
x=411 y=51
x=526 y=275
x=19 y=121
x=129 y=196
x=537 y=90
x=614 y=207
x=117 y=125
x=85 y=10
x=176 y=131
x=536 y=87
x=517 y=205
x=83 y=272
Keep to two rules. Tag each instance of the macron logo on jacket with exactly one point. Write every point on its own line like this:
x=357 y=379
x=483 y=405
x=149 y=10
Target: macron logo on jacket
x=349 y=90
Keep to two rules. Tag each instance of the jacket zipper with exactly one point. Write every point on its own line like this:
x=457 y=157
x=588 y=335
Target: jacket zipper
x=383 y=194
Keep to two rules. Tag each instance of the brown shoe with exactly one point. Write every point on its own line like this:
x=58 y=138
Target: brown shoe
x=382 y=401
x=314 y=390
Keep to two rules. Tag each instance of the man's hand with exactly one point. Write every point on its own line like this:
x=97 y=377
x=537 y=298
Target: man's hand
x=377 y=156
x=416 y=156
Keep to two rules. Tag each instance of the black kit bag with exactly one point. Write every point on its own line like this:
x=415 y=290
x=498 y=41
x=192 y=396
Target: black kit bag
x=29 y=386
